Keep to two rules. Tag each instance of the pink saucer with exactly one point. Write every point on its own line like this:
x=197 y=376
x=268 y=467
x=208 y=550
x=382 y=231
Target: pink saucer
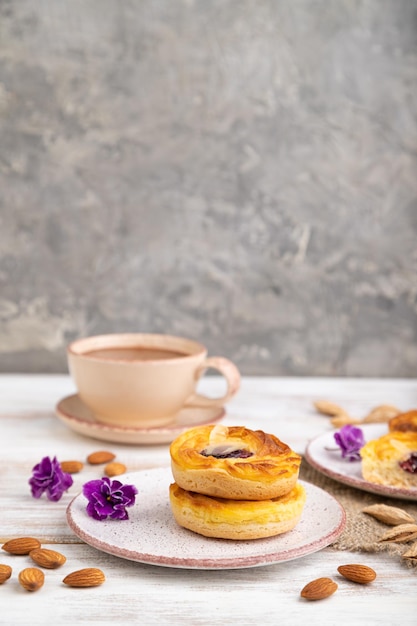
x=74 y=413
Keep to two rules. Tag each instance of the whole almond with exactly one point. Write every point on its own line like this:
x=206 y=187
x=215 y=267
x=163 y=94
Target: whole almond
x=357 y=573
x=5 y=573
x=101 y=456
x=71 y=467
x=390 y=515
x=400 y=534
x=382 y=413
x=31 y=578
x=114 y=469
x=21 y=545
x=411 y=554
x=338 y=421
x=329 y=408
x=319 y=589
x=50 y=559
x=87 y=577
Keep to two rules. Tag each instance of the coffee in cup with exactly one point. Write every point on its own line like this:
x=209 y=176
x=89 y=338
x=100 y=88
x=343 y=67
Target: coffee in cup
x=144 y=380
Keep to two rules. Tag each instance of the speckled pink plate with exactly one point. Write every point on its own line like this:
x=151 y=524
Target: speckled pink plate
x=77 y=416
x=152 y=536
x=323 y=454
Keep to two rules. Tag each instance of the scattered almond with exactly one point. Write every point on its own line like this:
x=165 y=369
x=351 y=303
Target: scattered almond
x=382 y=413
x=391 y=515
x=341 y=420
x=319 y=589
x=5 y=573
x=114 y=469
x=21 y=545
x=31 y=578
x=411 y=553
x=71 y=467
x=51 y=559
x=329 y=408
x=400 y=534
x=357 y=573
x=87 y=577
x=101 y=456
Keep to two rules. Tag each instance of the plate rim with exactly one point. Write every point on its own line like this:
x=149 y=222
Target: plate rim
x=256 y=560
x=354 y=481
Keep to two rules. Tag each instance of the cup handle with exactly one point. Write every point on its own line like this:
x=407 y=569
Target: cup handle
x=231 y=374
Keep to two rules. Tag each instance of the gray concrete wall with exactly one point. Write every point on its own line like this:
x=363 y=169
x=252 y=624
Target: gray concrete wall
x=243 y=172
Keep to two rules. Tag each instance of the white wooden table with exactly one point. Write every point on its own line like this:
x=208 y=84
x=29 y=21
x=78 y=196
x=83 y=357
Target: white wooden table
x=135 y=593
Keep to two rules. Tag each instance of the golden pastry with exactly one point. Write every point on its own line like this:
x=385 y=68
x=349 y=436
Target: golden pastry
x=234 y=463
x=404 y=422
x=391 y=460
x=236 y=519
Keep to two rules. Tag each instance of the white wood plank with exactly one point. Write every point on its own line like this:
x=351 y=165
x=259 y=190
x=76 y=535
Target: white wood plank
x=137 y=593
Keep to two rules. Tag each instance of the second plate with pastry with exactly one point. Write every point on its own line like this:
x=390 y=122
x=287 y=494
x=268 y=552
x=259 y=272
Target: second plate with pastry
x=322 y=454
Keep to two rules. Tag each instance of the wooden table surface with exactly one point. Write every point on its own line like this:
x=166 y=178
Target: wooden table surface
x=136 y=593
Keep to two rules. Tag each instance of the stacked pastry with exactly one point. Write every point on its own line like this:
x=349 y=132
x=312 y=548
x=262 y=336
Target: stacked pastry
x=391 y=459
x=235 y=483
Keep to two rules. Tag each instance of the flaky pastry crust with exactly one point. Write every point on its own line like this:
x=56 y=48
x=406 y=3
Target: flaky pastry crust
x=381 y=459
x=236 y=519
x=270 y=471
x=404 y=422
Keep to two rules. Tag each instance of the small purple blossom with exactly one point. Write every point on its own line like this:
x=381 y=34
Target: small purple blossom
x=350 y=439
x=48 y=477
x=107 y=498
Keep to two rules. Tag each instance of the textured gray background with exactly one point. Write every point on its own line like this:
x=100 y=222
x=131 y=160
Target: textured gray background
x=243 y=172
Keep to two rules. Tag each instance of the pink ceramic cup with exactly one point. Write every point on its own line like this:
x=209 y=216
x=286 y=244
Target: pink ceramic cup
x=144 y=380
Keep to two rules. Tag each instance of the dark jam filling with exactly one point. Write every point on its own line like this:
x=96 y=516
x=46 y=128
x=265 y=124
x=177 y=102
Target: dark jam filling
x=410 y=464
x=235 y=454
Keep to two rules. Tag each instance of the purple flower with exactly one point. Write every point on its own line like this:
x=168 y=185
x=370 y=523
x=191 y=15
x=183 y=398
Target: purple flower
x=48 y=476
x=107 y=498
x=350 y=439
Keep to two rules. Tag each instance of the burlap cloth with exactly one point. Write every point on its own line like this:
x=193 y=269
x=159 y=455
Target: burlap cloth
x=362 y=532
